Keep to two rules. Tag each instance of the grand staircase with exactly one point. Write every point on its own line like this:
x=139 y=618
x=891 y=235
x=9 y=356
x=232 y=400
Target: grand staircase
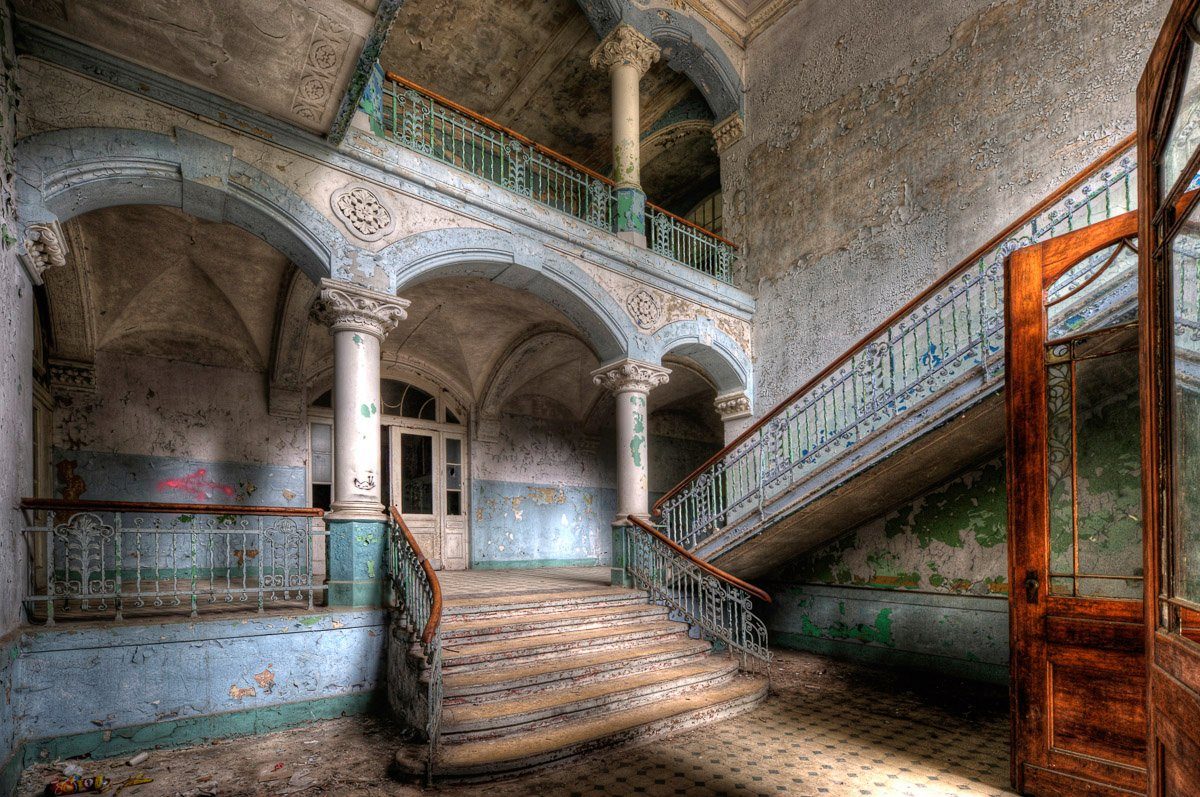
x=529 y=680
x=495 y=683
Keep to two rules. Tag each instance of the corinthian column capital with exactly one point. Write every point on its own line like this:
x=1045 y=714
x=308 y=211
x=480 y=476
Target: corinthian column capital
x=624 y=46
x=346 y=306
x=630 y=375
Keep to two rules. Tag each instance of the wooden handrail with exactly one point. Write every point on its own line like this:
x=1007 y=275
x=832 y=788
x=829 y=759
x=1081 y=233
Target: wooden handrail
x=56 y=504
x=923 y=296
x=703 y=565
x=508 y=131
x=435 y=608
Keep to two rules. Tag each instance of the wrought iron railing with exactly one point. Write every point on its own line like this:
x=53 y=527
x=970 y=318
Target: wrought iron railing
x=679 y=239
x=718 y=604
x=92 y=559
x=950 y=334
x=417 y=595
x=436 y=127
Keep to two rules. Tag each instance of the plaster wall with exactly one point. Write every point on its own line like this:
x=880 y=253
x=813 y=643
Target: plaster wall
x=16 y=373
x=886 y=141
x=164 y=430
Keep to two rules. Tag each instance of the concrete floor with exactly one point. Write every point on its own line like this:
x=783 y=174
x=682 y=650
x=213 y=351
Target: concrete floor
x=829 y=729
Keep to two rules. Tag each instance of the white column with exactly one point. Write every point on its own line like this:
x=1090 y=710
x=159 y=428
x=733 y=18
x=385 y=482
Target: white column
x=358 y=319
x=734 y=409
x=626 y=55
x=631 y=382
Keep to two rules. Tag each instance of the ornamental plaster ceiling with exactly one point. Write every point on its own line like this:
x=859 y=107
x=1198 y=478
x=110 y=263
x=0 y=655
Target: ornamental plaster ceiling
x=524 y=64
x=165 y=284
x=291 y=59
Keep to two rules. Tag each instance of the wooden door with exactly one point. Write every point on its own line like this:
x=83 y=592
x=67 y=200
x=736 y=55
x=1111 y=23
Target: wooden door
x=1074 y=505
x=454 y=510
x=1168 y=161
x=416 y=486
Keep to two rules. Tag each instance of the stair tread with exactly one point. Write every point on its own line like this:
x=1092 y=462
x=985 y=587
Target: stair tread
x=518 y=747
x=563 y=698
x=463 y=602
x=499 y=675
x=593 y=613
x=456 y=649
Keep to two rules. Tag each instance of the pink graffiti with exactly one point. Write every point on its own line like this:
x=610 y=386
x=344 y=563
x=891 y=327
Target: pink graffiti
x=196 y=485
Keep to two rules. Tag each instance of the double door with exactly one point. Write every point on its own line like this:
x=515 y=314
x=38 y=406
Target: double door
x=428 y=483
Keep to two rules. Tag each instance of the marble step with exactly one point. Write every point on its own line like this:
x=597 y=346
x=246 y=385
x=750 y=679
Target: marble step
x=486 y=684
x=539 y=710
x=501 y=606
x=530 y=647
x=490 y=627
x=489 y=758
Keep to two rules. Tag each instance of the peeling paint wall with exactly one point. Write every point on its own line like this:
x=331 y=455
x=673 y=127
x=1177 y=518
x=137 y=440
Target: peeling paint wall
x=885 y=141
x=162 y=430
x=16 y=372
x=924 y=585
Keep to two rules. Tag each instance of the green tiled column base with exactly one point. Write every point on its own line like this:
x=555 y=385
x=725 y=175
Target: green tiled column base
x=356 y=567
x=620 y=576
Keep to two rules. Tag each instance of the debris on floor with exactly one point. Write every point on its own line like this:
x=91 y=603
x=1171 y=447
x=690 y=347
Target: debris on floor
x=829 y=728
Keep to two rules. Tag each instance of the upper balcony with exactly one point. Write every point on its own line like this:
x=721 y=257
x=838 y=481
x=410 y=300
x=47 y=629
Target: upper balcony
x=436 y=127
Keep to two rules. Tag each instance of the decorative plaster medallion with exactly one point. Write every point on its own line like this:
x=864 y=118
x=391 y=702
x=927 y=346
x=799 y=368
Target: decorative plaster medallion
x=631 y=375
x=321 y=65
x=624 y=46
x=644 y=308
x=362 y=212
x=728 y=131
x=44 y=248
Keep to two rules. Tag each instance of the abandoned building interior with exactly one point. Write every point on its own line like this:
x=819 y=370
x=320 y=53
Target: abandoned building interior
x=577 y=397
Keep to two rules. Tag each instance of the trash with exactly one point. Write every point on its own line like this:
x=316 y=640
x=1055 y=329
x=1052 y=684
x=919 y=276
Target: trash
x=76 y=785
x=72 y=770
x=135 y=780
x=137 y=759
x=276 y=771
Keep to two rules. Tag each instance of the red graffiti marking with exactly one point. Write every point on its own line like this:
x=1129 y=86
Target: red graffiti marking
x=196 y=485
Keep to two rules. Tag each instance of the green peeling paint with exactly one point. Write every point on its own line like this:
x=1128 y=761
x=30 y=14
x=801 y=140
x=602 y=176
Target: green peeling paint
x=638 y=441
x=358 y=341
x=368 y=410
x=879 y=633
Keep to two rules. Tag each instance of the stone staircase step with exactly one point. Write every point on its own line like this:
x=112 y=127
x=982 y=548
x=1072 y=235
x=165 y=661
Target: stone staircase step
x=497 y=683
x=470 y=722
x=501 y=606
x=461 y=653
x=595 y=616
x=521 y=751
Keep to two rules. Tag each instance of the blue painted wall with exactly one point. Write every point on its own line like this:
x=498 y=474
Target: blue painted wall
x=532 y=525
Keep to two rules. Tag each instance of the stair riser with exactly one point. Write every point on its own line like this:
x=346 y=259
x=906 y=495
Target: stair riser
x=627 y=641
x=453 y=733
x=567 y=679
x=484 y=611
x=628 y=738
x=513 y=630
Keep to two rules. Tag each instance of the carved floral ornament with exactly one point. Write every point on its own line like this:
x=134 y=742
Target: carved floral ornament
x=624 y=46
x=44 y=248
x=346 y=306
x=732 y=406
x=361 y=211
x=644 y=308
x=630 y=375
x=728 y=131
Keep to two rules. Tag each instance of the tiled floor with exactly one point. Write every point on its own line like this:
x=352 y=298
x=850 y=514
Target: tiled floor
x=481 y=583
x=829 y=729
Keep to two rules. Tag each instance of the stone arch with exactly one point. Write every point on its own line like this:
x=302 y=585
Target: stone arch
x=722 y=358
x=516 y=360
x=521 y=264
x=65 y=173
x=687 y=47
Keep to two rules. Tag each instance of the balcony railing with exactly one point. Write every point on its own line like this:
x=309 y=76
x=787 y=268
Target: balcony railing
x=418 y=119
x=950 y=334
x=97 y=559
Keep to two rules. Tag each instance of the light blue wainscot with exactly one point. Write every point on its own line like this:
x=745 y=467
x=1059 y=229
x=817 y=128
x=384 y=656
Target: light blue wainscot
x=531 y=525
x=112 y=689
x=961 y=635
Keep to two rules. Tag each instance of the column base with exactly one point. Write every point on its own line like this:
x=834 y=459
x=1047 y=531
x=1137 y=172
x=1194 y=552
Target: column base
x=357 y=510
x=356 y=560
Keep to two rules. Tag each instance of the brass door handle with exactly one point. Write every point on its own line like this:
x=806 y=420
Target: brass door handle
x=1032 y=586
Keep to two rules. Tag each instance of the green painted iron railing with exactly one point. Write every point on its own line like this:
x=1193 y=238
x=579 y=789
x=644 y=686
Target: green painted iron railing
x=945 y=337
x=436 y=127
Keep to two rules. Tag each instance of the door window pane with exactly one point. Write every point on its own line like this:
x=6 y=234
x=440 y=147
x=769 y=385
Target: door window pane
x=1184 y=572
x=322 y=453
x=1099 y=291
x=1184 y=135
x=416 y=474
x=453 y=476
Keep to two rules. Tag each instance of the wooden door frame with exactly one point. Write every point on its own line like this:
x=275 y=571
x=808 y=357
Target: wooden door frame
x=1028 y=275
x=1173 y=662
